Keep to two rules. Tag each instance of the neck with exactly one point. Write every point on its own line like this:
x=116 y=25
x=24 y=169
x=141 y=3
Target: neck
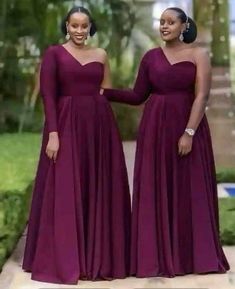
x=174 y=44
x=77 y=46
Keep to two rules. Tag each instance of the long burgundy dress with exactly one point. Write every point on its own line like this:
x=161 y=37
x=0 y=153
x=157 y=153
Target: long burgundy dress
x=79 y=225
x=175 y=228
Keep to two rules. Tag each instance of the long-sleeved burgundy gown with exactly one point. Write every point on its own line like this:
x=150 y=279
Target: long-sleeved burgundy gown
x=175 y=228
x=79 y=225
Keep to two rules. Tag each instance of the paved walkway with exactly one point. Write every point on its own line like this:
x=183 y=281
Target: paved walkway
x=12 y=276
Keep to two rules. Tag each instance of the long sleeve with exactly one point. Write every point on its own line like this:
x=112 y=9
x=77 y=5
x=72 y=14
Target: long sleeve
x=48 y=87
x=139 y=93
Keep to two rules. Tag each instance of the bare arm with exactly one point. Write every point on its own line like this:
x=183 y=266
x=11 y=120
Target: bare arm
x=107 y=82
x=203 y=83
x=202 y=89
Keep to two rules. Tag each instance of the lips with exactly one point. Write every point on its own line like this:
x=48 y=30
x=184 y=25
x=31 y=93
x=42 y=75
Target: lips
x=79 y=37
x=165 y=33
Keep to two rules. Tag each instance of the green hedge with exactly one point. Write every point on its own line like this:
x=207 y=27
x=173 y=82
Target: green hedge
x=227 y=220
x=18 y=158
x=224 y=175
x=14 y=207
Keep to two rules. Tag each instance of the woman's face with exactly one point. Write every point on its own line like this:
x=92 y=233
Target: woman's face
x=78 y=27
x=170 y=25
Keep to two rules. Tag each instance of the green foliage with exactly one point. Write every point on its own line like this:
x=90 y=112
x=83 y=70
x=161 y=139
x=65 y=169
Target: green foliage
x=27 y=27
x=215 y=18
x=127 y=118
x=225 y=175
x=115 y=21
x=227 y=220
x=220 y=33
x=19 y=154
x=31 y=26
x=14 y=207
x=18 y=158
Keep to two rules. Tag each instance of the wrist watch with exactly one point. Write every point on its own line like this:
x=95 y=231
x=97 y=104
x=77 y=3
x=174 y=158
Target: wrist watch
x=190 y=131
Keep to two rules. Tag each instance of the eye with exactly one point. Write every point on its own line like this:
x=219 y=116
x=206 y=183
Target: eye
x=74 y=25
x=85 y=26
x=162 y=22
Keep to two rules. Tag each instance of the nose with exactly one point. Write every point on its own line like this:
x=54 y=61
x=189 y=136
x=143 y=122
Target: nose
x=79 y=29
x=164 y=26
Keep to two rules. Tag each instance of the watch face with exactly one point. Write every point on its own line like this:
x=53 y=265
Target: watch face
x=190 y=131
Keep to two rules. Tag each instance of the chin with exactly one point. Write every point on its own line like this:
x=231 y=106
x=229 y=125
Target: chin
x=169 y=39
x=79 y=42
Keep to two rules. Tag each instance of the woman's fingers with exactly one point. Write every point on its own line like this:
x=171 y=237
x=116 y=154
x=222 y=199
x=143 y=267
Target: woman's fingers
x=54 y=156
x=179 y=148
x=52 y=147
x=184 y=150
x=51 y=154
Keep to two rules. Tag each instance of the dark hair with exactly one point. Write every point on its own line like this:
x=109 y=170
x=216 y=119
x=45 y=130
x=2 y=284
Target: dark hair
x=190 y=34
x=80 y=9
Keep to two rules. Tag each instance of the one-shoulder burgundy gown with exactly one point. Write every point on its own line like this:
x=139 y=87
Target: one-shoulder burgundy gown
x=175 y=227
x=79 y=225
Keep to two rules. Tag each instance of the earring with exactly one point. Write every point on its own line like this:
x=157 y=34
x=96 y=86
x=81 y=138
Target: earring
x=88 y=33
x=67 y=37
x=181 y=37
x=187 y=26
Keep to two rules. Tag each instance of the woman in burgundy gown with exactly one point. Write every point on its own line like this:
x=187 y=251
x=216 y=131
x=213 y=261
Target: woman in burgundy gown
x=175 y=228
x=79 y=226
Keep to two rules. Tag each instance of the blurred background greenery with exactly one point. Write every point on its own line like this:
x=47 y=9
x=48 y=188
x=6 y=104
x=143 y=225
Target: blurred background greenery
x=29 y=26
x=126 y=31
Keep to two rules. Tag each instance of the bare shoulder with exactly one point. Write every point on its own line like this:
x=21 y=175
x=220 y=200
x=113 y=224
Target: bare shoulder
x=201 y=54
x=101 y=50
x=100 y=53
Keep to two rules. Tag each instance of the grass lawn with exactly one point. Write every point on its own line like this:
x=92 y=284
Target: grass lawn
x=227 y=220
x=18 y=159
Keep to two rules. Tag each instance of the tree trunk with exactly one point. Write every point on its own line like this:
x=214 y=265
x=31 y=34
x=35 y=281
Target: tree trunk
x=220 y=107
x=220 y=33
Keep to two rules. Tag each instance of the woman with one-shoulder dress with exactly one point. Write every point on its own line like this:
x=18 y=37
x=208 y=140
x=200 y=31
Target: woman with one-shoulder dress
x=79 y=225
x=175 y=226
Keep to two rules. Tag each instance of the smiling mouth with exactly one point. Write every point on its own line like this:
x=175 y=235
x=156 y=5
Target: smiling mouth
x=165 y=33
x=79 y=37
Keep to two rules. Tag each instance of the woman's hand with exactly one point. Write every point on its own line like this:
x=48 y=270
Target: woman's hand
x=185 y=144
x=52 y=146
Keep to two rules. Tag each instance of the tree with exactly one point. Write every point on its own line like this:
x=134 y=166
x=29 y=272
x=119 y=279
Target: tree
x=214 y=19
x=220 y=33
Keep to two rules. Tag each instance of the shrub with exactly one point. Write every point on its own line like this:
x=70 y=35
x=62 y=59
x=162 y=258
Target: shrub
x=227 y=220
x=225 y=175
